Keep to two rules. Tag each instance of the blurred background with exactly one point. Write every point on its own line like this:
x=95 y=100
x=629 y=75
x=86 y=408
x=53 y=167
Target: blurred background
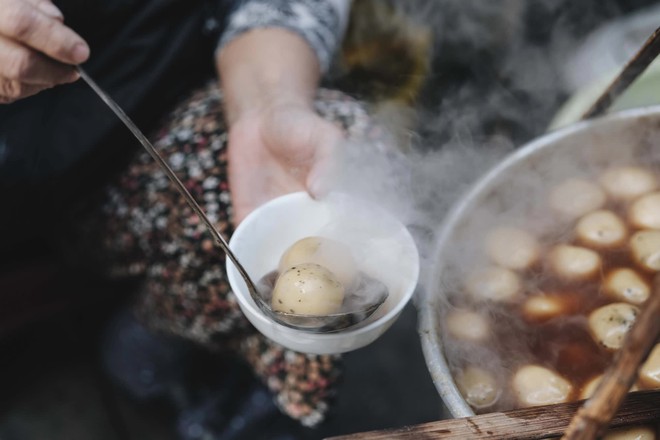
x=469 y=76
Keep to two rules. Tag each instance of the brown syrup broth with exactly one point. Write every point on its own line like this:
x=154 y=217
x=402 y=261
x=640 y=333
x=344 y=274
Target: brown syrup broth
x=563 y=344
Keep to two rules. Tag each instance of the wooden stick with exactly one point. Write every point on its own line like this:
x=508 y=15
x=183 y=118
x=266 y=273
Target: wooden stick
x=635 y=67
x=594 y=416
x=535 y=423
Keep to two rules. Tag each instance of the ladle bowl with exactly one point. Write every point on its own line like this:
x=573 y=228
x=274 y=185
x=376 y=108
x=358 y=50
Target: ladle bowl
x=361 y=301
x=332 y=322
x=381 y=245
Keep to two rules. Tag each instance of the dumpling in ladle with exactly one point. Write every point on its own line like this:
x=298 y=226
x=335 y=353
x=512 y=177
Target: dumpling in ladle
x=331 y=254
x=314 y=274
x=318 y=277
x=308 y=289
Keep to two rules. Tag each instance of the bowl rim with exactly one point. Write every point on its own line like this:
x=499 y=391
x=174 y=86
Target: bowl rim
x=432 y=345
x=247 y=302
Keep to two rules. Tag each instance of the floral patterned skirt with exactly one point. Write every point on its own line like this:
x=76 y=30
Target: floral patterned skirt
x=144 y=228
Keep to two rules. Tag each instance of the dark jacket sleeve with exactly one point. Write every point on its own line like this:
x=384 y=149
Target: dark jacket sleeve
x=146 y=54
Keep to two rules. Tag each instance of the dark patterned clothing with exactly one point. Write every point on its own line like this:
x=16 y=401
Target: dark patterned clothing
x=145 y=228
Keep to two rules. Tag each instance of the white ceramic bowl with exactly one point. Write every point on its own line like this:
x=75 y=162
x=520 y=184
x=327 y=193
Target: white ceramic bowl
x=381 y=245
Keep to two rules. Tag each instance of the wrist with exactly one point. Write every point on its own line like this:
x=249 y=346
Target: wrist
x=269 y=77
x=266 y=106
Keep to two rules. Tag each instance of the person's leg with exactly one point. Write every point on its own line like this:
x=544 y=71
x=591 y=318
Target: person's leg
x=147 y=228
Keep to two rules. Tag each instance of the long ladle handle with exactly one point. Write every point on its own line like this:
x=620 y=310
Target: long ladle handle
x=170 y=173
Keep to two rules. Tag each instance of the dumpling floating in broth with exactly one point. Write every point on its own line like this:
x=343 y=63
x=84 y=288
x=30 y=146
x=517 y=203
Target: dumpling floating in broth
x=628 y=182
x=512 y=248
x=609 y=324
x=645 y=212
x=479 y=387
x=601 y=229
x=574 y=263
x=576 y=197
x=534 y=385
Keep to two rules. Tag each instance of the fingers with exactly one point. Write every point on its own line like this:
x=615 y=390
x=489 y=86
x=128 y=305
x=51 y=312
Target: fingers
x=11 y=91
x=24 y=72
x=50 y=9
x=326 y=159
x=29 y=67
x=39 y=27
x=36 y=49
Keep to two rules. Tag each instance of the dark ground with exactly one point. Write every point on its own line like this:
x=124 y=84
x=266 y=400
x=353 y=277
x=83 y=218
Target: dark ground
x=53 y=388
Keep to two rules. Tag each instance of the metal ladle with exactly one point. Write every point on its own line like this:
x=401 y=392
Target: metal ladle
x=311 y=323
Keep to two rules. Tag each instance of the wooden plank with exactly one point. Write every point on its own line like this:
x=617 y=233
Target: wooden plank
x=526 y=424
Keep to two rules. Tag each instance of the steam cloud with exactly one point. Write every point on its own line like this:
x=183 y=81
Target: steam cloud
x=496 y=83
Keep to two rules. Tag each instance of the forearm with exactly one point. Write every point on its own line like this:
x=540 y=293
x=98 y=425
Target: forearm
x=264 y=67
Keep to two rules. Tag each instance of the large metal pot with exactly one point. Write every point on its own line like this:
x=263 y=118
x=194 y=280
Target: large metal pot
x=611 y=139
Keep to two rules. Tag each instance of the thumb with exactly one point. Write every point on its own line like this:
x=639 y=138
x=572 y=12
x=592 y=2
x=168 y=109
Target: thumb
x=48 y=8
x=326 y=162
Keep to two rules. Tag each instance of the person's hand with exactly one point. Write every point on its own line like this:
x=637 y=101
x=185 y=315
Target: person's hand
x=278 y=150
x=277 y=143
x=37 y=50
